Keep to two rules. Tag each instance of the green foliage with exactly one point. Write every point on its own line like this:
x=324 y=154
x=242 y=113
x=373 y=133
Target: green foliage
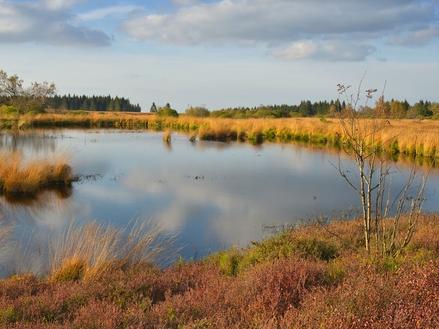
x=335 y=272
x=234 y=261
x=304 y=109
x=167 y=112
x=8 y=110
x=387 y=264
x=390 y=109
x=32 y=99
x=394 y=148
x=153 y=108
x=316 y=248
x=92 y=103
x=200 y=112
x=8 y=315
x=28 y=105
x=229 y=261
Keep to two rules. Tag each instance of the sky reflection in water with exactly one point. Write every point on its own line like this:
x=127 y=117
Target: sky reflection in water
x=212 y=195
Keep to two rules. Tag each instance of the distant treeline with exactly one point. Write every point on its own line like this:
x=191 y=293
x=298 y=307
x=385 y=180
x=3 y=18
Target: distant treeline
x=390 y=109
x=91 y=103
x=304 y=109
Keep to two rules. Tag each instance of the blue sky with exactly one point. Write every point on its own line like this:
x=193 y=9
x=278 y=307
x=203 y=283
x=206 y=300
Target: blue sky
x=221 y=53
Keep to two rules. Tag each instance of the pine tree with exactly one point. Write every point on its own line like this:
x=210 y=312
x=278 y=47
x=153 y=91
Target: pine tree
x=153 y=108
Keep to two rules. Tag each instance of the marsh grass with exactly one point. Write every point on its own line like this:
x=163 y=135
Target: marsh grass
x=20 y=178
x=409 y=138
x=91 y=250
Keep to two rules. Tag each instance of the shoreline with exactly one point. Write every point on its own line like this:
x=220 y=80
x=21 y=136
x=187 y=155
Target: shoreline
x=412 y=139
x=311 y=276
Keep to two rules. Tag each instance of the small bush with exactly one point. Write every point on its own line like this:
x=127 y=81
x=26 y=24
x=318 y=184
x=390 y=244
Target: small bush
x=199 y=112
x=8 y=315
x=167 y=112
x=318 y=249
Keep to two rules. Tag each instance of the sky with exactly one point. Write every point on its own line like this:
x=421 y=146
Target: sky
x=223 y=53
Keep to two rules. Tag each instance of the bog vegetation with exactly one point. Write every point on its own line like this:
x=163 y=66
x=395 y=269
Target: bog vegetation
x=315 y=276
x=407 y=138
x=20 y=178
x=381 y=271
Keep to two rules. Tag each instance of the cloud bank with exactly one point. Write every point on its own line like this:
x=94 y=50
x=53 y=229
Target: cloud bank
x=333 y=30
x=46 y=22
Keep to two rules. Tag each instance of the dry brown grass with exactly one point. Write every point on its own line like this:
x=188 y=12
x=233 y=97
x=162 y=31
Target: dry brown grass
x=90 y=250
x=408 y=137
x=25 y=178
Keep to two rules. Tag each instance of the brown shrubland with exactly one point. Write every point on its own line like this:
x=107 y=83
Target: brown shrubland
x=316 y=276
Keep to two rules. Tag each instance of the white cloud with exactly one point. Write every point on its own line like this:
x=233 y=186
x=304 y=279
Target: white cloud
x=111 y=11
x=325 y=50
x=418 y=37
x=61 y=4
x=34 y=22
x=282 y=22
x=185 y=2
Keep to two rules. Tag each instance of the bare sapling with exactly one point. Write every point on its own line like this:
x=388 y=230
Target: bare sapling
x=389 y=220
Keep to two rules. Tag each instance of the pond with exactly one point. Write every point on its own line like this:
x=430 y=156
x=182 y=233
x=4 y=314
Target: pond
x=211 y=195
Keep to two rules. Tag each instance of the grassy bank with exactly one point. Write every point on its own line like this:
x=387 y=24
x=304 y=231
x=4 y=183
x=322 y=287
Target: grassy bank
x=19 y=178
x=410 y=138
x=311 y=277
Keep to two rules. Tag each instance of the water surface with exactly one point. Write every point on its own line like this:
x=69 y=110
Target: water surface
x=212 y=195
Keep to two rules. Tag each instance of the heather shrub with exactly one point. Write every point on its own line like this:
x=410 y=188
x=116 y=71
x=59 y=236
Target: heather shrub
x=99 y=314
x=335 y=272
x=234 y=261
x=22 y=285
x=263 y=294
x=316 y=248
x=288 y=281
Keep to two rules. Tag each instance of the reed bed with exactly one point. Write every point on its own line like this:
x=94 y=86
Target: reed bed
x=414 y=138
x=26 y=178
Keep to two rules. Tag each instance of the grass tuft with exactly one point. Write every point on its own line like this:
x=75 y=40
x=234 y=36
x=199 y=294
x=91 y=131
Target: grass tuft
x=90 y=250
x=26 y=178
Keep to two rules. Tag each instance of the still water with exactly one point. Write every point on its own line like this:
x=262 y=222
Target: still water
x=210 y=195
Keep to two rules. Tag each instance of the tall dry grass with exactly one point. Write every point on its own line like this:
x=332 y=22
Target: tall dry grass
x=407 y=137
x=25 y=178
x=90 y=250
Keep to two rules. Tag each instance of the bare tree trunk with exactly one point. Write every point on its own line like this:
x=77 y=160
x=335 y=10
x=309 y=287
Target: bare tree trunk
x=360 y=140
